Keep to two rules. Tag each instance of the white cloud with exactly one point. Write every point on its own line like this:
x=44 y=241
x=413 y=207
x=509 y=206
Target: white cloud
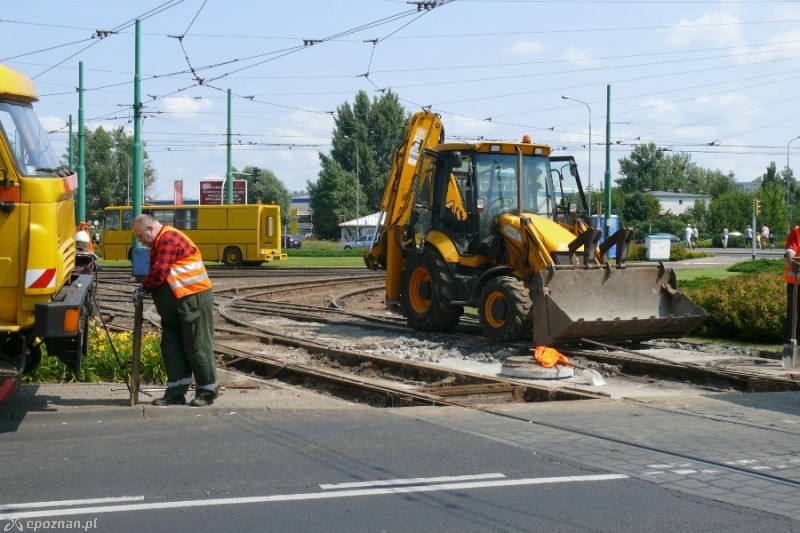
x=712 y=29
x=52 y=123
x=780 y=46
x=576 y=55
x=527 y=48
x=658 y=109
x=186 y=106
x=723 y=101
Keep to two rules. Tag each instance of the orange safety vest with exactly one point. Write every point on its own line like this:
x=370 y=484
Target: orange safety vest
x=186 y=275
x=550 y=357
x=788 y=275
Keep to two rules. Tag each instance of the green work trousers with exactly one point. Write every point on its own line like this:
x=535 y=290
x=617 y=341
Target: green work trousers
x=187 y=334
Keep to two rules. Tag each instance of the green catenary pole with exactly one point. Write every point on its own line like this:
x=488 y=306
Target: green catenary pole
x=71 y=151
x=137 y=127
x=229 y=173
x=80 y=209
x=608 y=161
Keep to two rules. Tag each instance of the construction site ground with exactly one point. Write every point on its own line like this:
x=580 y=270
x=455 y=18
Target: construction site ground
x=739 y=449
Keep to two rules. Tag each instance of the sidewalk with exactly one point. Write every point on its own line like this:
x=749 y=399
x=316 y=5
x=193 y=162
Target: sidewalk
x=237 y=393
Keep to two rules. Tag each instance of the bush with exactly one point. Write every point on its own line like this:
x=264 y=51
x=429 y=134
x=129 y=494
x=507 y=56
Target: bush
x=637 y=252
x=100 y=364
x=759 y=266
x=747 y=307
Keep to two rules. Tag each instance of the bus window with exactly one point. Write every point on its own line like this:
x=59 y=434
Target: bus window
x=127 y=219
x=186 y=219
x=165 y=216
x=112 y=220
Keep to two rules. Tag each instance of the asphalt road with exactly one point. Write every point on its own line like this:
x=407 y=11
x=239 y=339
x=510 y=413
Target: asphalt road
x=363 y=469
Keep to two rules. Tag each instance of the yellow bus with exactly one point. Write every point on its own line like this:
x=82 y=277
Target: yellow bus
x=234 y=234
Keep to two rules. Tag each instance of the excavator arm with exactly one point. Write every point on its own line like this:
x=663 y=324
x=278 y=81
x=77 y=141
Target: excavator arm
x=425 y=130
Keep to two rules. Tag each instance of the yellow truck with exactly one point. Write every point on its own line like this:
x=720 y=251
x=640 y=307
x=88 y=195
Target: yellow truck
x=42 y=298
x=501 y=227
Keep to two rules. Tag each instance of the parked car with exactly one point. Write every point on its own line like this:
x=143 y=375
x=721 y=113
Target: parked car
x=290 y=241
x=364 y=241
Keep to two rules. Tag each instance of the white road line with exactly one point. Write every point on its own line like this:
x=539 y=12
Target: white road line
x=67 y=503
x=409 y=481
x=309 y=496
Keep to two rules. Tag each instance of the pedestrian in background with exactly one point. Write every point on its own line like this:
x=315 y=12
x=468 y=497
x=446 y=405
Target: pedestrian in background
x=765 y=236
x=748 y=236
x=725 y=236
x=688 y=233
x=695 y=235
x=181 y=291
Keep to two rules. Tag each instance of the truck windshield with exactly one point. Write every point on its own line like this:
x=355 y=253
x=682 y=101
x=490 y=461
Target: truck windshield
x=30 y=147
x=497 y=184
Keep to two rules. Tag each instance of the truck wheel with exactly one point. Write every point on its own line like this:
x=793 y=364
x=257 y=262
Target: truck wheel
x=232 y=256
x=427 y=290
x=505 y=309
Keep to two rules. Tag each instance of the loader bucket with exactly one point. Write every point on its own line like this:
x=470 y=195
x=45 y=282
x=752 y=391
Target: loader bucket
x=634 y=303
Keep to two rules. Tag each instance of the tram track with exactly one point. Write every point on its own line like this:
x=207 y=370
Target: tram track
x=329 y=300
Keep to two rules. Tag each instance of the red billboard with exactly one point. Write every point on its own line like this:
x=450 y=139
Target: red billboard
x=177 y=192
x=212 y=192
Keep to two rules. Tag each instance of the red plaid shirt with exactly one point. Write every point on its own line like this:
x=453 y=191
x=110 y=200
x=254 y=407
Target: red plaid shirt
x=169 y=247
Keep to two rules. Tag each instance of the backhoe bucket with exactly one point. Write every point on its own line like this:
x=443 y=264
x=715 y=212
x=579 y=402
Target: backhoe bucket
x=635 y=303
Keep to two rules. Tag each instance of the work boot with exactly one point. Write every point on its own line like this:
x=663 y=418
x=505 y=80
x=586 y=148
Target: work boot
x=205 y=397
x=170 y=400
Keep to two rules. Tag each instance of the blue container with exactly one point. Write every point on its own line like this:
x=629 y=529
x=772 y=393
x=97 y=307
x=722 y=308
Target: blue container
x=599 y=221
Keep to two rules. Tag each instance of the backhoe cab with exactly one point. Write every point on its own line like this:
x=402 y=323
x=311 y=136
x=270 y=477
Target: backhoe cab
x=501 y=227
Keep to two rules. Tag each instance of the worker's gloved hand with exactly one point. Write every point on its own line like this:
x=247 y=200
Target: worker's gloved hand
x=795 y=264
x=138 y=294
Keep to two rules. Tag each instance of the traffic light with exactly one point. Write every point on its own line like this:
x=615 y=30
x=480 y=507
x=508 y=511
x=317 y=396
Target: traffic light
x=757 y=206
x=256 y=172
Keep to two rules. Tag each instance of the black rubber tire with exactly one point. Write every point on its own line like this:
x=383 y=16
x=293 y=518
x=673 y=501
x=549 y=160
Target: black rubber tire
x=427 y=292
x=505 y=309
x=232 y=256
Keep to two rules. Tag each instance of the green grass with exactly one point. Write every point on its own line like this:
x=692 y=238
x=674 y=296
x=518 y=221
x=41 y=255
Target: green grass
x=690 y=274
x=300 y=261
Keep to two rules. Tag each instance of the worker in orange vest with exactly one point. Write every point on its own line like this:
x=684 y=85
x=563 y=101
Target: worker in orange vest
x=181 y=291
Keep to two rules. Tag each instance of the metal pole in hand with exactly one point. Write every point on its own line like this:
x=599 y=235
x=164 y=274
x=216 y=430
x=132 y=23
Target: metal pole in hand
x=137 y=350
x=793 y=341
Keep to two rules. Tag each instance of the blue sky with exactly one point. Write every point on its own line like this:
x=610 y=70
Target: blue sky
x=716 y=79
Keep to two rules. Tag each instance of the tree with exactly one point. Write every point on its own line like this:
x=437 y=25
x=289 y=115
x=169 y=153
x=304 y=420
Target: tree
x=773 y=206
x=371 y=130
x=651 y=168
x=639 y=207
x=771 y=176
x=331 y=198
x=638 y=211
x=648 y=168
x=732 y=210
x=268 y=189
x=108 y=159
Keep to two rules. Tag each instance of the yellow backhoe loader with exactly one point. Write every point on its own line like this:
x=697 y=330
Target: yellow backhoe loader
x=499 y=226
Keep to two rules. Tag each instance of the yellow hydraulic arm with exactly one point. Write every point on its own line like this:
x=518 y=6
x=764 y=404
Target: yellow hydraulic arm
x=424 y=131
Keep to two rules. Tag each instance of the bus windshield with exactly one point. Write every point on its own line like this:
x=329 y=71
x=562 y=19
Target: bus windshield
x=31 y=149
